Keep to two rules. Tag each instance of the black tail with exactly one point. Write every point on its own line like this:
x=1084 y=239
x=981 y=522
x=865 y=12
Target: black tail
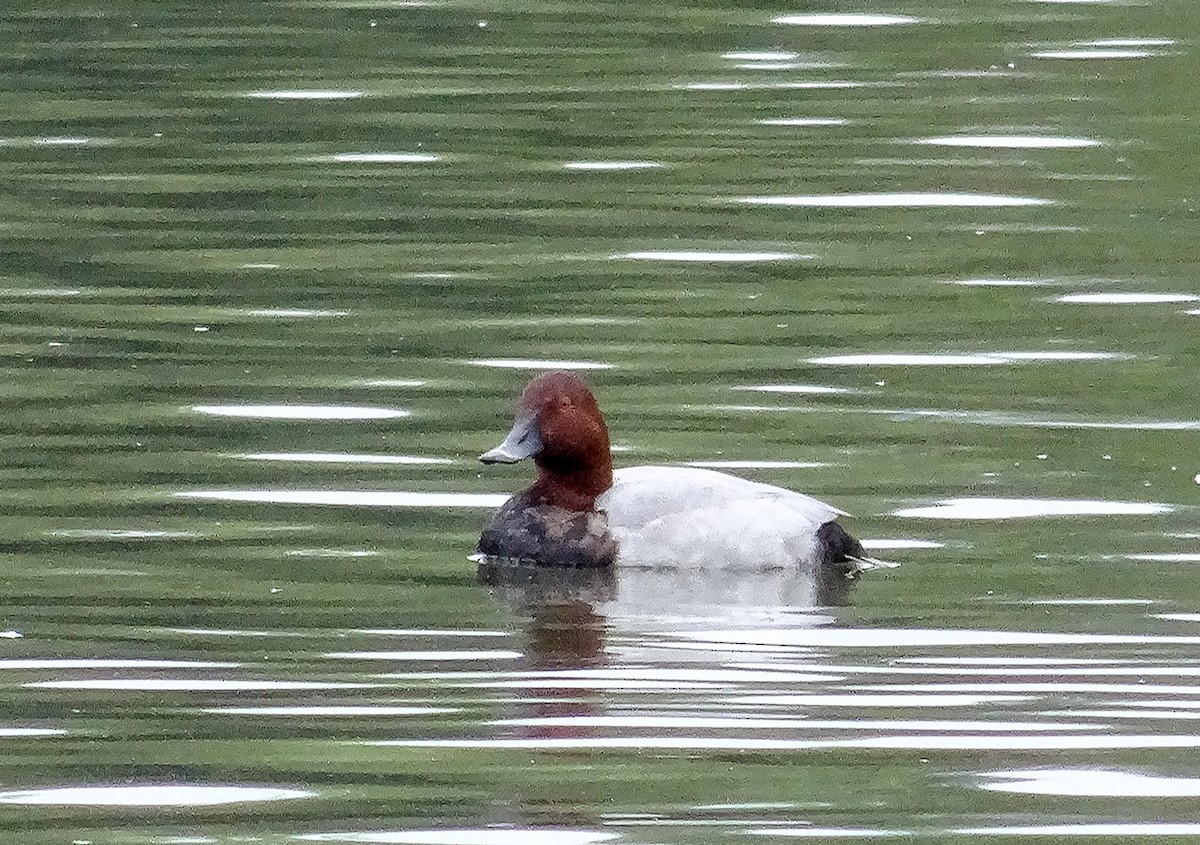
x=837 y=548
x=838 y=556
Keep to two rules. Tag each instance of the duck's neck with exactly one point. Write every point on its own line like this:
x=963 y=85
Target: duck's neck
x=574 y=486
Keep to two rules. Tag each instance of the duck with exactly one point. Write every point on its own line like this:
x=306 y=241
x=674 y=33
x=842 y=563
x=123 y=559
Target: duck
x=579 y=512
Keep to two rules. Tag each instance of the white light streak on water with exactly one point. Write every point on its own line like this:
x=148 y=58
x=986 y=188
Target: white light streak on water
x=333 y=710
x=802 y=121
x=918 y=637
x=844 y=19
x=969 y=742
x=755 y=464
x=712 y=256
x=1169 y=557
x=1013 y=142
x=761 y=56
x=1113 y=830
x=353 y=498
x=885 y=543
x=294 y=313
x=1094 y=53
x=611 y=165
x=346 y=458
x=740 y=721
x=302 y=412
x=931 y=199
x=984 y=508
x=379 y=158
x=997 y=283
x=149 y=795
x=25 y=664
x=538 y=364
x=305 y=94
x=1126 y=298
x=812 y=389
x=476 y=836
x=191 y=685
x=829 y=832
x=426 y=655
x=1091 y=782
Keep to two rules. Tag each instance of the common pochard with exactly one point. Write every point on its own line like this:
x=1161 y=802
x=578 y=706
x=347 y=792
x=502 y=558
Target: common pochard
x=579 y=512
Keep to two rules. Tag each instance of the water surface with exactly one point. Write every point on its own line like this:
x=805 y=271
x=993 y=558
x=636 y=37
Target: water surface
x=273 y=273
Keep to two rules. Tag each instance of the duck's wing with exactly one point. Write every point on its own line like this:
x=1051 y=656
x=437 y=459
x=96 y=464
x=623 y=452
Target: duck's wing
x=643 y=494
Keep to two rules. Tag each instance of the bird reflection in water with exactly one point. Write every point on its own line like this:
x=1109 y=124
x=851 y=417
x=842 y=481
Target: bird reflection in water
x=565 y=633
x=584 y=638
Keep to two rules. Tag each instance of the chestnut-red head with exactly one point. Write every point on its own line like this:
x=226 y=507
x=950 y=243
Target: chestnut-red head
x=559 y=425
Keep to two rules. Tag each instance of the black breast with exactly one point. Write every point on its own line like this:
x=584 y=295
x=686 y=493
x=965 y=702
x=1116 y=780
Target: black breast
x=532 y=532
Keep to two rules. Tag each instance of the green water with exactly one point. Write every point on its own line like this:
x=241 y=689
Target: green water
x=184 y=232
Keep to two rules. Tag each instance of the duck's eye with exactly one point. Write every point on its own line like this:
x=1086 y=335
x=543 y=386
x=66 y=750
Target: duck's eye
x=564 y=403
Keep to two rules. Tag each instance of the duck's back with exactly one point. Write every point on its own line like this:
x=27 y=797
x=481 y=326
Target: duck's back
x=682 y=516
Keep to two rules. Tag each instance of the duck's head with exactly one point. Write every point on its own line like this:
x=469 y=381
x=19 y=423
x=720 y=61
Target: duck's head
x=559 y=424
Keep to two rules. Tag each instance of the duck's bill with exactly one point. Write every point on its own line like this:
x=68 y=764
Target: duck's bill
x=521 y=443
